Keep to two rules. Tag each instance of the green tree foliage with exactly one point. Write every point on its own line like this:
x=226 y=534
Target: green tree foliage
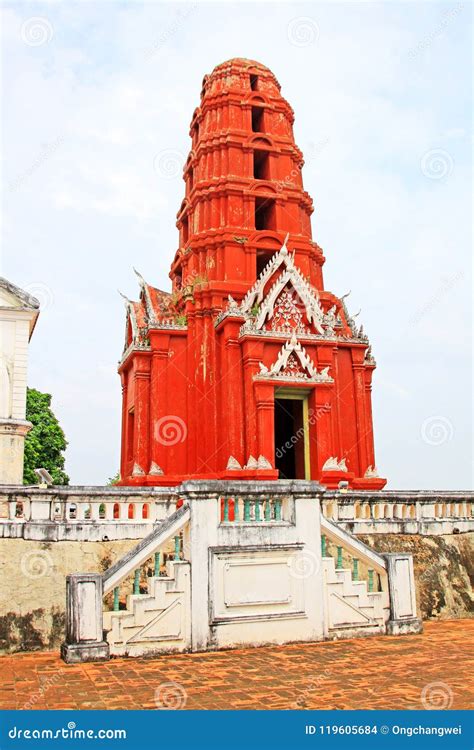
x=45 y=443
x=114 y=480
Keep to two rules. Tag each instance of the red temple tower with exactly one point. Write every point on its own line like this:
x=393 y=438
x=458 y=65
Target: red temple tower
x=248 y=368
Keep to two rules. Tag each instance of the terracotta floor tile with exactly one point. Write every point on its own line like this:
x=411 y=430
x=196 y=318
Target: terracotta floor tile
x=374 y=673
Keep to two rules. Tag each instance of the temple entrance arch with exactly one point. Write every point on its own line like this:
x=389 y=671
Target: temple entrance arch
x=292 y=458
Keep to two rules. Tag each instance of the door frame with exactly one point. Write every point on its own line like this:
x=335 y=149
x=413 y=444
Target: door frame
x=299 y=394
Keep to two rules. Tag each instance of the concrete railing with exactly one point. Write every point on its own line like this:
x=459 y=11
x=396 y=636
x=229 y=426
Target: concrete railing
x=83 y=513
x=111 y=513
x=404 y=511
x=252 y=506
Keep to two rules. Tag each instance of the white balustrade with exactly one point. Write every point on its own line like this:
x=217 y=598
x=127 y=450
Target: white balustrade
x=382 y=511
x=394 y=509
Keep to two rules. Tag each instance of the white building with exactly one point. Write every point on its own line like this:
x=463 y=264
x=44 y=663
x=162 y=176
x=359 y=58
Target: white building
x=18 y=315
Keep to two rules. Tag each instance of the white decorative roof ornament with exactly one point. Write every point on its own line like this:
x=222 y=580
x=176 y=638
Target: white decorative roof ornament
x=344 y=306
x=137 y=471
x=131 y=313
x=293 y=362
x=263 y=463
x=255 y=294
x=155 y=470
x=232 y=309
x=362 y=336
x=233 y=305
x=371 y=473
x=168 y=323
x=292 y=276
x=148 y=304
x=357 y=333
x=251 y=463
x=352 y=323
x=369 y=357
x=330 y=321
x=332 y=464
x=233 y=464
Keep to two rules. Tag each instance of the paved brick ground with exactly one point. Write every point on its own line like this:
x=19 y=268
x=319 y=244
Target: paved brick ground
x=369 y=673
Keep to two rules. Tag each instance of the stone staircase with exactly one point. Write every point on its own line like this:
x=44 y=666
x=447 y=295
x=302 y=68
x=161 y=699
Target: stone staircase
x=349 y=604
x=159 y=620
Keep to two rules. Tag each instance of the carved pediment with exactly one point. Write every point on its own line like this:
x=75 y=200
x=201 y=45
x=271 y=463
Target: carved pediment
x=294 y=363
x=288 y=315
x=289 y=291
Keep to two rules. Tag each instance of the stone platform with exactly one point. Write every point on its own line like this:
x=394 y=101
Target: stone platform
x=430 y=670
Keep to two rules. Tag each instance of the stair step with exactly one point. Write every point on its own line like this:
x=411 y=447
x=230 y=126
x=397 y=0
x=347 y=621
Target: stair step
x=351 y=589
x=135 y=601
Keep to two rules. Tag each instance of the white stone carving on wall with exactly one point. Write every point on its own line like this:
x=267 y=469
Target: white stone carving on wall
x=294 y=363
x=332 y=464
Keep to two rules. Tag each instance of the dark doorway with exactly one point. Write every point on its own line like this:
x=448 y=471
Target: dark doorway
x=289 y=438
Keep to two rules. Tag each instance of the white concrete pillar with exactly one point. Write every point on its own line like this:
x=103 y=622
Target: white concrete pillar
x=402 y=592
x=308 y=529
x=203 y=534
x=18 y=314
x=84 y=628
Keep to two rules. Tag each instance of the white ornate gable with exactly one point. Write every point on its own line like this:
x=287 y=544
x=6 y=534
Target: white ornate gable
x=294 y=363
x=290 y=283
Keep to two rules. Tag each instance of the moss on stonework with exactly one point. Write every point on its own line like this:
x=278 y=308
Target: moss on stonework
x=58 y=627
x=444 y=570
x=105 y=562
x=18 y=632
x=27 y=632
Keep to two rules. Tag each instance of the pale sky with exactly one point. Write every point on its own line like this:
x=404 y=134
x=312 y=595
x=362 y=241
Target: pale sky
x=96 y=104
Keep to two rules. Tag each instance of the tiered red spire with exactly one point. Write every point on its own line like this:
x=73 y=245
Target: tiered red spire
x=248 y=348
